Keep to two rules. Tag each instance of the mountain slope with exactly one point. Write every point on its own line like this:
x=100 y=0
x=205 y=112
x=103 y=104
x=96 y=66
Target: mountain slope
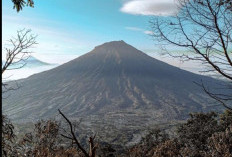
x=114 y=81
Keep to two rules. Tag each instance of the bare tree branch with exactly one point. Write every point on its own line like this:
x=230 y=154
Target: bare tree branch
x=73 y=135
x=17 y=53
x=204 y=29
x=92 y=146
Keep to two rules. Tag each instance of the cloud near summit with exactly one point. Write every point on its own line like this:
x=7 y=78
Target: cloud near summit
x=140 y=30
x=150 y=7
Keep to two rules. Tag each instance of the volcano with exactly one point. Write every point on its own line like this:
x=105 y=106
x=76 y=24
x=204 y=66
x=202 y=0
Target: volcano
x=113 y=81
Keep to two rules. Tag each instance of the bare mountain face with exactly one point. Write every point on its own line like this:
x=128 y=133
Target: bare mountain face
x=114 y=82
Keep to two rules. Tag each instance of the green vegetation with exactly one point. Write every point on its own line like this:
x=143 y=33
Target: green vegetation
x=203 y=135
x=19 y=4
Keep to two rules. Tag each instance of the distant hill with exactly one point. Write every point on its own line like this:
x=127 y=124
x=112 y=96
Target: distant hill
x=114 y=86
x=31 y=62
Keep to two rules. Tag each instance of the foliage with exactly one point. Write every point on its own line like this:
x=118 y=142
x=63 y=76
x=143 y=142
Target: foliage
x=19 y=4
x=168 y=148
x=71 y=135
x=106 y=150
x=220 y=143
x=225 y=119
x=197 y=130
x=203 y=135
x=151 y=140
x=8 y=136
x=43 y=140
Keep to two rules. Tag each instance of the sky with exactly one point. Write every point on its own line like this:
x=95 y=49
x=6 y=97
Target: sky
x=68 y=29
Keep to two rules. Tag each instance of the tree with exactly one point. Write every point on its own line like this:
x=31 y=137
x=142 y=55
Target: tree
x=19 y=46
x=44 y=141
x=71 y=136
x=168 y=148
x=220 y=144
x=8 y=137
x=204 y=132
x=195 y=132
x=225 y=119
x=203 y=135
x=146 y=146
x=19 y=4
x=203 y=28
x=16 y=55
x=228 y=4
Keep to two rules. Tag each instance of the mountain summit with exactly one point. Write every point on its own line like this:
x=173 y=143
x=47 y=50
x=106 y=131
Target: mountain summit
x=113 y=80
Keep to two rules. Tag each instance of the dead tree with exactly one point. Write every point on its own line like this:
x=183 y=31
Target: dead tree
x=203 y=28
x=72 y=137
x=17 y=53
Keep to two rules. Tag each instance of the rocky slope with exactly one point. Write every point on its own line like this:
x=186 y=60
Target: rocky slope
x=114 y=82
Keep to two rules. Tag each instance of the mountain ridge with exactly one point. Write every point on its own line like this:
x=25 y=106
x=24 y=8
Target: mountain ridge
x=113 y=77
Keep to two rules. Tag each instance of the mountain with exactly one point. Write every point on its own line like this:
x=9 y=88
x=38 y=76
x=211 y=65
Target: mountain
x=114 y=84
x=31 y=62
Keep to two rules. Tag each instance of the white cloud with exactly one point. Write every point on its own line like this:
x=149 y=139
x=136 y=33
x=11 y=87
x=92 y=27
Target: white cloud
x=150 y=7
x=55 y=58
x=134 y=28
x=25 y=72
x=140 y=30
x=149 y=32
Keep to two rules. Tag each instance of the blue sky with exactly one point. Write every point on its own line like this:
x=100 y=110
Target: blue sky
x=68 y=29
x=75 y=27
